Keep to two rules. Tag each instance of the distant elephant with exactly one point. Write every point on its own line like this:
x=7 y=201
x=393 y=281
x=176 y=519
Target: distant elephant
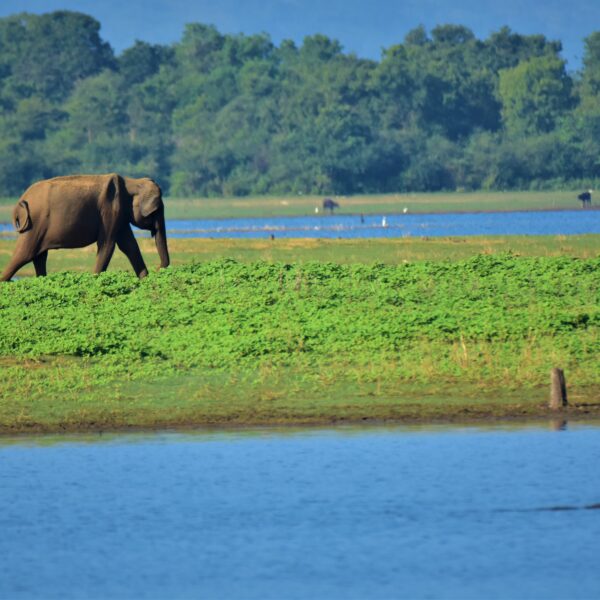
x=78 y=210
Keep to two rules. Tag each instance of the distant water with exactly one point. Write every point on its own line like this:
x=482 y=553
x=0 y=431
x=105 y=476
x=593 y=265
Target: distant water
x=346 y=513
x=388 y=226
x=394 y=226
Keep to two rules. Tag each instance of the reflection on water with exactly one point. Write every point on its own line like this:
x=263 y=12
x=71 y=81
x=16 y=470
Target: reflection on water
x=354 y=513
x=559 y=424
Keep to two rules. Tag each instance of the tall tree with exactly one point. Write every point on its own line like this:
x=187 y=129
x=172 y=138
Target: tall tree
x=591 y=68
x=53 y=51
x=535 y=95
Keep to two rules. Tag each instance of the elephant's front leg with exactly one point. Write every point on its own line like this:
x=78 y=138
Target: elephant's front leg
x=129 y=246
x=105 y=251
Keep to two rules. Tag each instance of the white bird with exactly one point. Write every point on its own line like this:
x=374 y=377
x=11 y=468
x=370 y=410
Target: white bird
x=384 y=222
x=317 y=210
x=405 y=210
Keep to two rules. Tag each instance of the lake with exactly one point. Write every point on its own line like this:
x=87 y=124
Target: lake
x=446 y=512
x=564 y=222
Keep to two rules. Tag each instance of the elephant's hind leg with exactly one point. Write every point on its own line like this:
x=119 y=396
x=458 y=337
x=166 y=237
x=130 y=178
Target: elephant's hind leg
x=22 y=255
x=39 y=262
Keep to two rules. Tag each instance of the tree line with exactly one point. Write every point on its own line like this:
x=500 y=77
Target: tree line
x=217 y=114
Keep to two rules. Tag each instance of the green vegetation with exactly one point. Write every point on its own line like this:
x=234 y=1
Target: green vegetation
x=299 y=251
x=235 y=115
x=227 y=342
x=301 y=331
x=440 y=202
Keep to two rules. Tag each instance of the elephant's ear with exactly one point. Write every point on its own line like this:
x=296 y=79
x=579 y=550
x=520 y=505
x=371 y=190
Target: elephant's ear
x=111 y=195
x=150 y=197
x=114 y=187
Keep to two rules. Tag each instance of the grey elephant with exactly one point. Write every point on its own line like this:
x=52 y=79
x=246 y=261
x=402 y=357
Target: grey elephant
x=78 y=210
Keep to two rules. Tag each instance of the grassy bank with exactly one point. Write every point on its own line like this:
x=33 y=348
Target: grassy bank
x=266 y=206
x=228 y=342
x=299 y=251
x=372 y=204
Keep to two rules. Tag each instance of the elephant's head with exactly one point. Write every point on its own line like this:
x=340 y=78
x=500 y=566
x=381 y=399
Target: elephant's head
x=148 y=212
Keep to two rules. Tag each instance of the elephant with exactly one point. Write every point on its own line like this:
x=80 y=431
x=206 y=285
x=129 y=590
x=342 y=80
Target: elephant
x=77 y=210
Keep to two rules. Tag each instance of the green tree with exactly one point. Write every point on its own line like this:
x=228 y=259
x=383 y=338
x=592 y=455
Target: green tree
x=535 y=95
x=505 y=49
x=142 y=61
x=223 y=114
x=51 y=52
x=590 y=80
x=97 y=106
x=582 y=128
x=442 y=83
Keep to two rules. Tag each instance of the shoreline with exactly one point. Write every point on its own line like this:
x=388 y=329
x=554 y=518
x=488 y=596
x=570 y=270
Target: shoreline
x=475 y=212
x=461 y=415
x=11 y=234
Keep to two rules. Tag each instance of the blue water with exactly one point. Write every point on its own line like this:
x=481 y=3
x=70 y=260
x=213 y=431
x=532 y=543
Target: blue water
x=346 y=513
x=569 y=222
x=394 y=226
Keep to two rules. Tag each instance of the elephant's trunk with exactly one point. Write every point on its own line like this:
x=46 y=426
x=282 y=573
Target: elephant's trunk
x=160 y=236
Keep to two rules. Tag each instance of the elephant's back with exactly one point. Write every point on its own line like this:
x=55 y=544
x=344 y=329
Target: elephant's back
x=66 y=192
x=65 y=210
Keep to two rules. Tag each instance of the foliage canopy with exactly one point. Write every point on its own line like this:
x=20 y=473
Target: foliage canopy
x=217 y=114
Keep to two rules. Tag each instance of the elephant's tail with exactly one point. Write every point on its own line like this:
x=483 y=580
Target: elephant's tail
x=21 y=218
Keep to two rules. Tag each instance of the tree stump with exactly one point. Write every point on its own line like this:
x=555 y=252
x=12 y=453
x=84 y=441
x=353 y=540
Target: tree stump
x=558 y=389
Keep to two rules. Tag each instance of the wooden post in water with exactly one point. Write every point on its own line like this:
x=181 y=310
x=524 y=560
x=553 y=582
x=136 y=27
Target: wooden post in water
x=558 y=389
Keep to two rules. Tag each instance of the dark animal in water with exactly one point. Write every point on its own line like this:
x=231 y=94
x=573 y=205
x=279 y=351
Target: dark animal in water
x=585 y=198
x=329 y=204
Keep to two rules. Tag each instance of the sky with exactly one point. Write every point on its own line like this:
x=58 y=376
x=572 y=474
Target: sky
x=363 y=27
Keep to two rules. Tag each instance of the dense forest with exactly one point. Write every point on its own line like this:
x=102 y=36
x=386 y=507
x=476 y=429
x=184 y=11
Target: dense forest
x=222 y=114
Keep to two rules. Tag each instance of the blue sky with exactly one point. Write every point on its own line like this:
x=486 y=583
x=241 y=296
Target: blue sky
x=362 y=26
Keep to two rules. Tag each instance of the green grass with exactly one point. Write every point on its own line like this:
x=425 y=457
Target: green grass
x=73 y=395
x=265 y=206
x=370 y=204
x=242 y=343
x=366 y=251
